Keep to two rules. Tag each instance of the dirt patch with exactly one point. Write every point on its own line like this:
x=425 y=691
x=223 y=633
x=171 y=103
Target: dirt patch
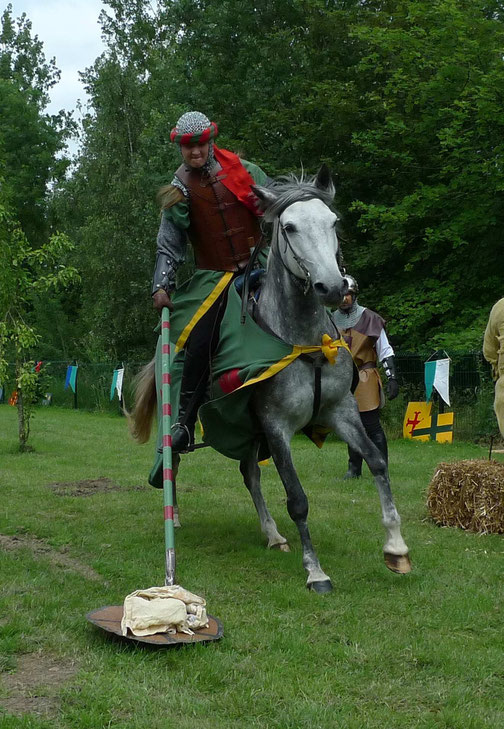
x=89 y=487
x=33 y=688
x=40 y=547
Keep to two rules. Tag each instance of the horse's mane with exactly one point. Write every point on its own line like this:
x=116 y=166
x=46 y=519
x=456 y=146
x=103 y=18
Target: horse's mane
x=290 y=189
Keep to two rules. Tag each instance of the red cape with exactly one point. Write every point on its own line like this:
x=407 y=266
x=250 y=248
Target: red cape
x=237 y=179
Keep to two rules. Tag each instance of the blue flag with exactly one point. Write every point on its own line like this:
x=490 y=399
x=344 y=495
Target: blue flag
x=113 y=385
x=117 y=383
x=71 y=376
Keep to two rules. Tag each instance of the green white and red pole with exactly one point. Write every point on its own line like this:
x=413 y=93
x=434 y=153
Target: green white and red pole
x=167 y=450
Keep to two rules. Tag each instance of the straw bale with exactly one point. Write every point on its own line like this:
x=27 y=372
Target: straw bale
x=468 y=494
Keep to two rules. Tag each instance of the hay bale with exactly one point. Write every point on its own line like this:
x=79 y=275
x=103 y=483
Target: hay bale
x=468 y=494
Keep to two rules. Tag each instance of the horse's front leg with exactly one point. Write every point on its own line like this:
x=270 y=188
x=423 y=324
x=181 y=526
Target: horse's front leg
x=297 y=504
x=346 y=422
x=252 y=477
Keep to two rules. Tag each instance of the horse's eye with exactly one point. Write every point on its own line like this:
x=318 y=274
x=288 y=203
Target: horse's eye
x=289 y=228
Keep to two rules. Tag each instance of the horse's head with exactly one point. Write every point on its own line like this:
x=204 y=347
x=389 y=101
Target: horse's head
x=304 y=236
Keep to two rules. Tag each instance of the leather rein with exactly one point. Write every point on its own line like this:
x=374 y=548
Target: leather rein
x=316 y=359
x=303 y=284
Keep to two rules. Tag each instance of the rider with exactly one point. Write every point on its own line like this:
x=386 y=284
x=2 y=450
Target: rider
x=364 y=332
x=209 y=202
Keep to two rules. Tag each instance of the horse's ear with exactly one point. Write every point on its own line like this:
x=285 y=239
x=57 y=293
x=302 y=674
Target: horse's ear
x=266 y=196
x=324 y=180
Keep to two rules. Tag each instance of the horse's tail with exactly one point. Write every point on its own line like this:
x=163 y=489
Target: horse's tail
x=140 y=420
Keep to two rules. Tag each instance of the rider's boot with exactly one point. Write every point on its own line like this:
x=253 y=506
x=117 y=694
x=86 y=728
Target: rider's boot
x=182 y=437
x=354 y=464
x=192 y=393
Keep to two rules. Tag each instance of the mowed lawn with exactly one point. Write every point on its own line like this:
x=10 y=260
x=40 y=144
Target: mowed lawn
x=381 y=651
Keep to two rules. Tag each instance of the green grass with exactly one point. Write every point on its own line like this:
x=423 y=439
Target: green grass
x=381 y=651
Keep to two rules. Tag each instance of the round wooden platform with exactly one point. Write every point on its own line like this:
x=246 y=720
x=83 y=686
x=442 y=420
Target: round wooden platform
x=109 y=618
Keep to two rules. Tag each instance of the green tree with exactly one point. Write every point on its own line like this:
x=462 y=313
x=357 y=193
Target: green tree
x=403 y=100
x=31 y=141
x=25 y=272
x=108 y=208
x=158 y=65
x=425 y=201
x=31 y=146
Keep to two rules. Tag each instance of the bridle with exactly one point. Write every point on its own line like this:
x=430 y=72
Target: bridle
x=303 y=284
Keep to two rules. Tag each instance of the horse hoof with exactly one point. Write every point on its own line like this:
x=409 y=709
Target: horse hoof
x=284 y=547
x=399 y=563
x=320 y=586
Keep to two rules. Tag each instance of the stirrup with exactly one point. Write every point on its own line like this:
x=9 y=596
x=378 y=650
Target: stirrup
x=186 y=448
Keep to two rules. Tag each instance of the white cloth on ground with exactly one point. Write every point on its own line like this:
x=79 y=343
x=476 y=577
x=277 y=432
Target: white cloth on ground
x=168 y=609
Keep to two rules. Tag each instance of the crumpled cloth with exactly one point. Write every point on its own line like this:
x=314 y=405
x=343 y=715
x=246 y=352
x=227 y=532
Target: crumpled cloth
x=168 y=609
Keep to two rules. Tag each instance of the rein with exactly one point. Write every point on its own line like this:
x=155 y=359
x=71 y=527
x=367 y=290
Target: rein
x=305 y=287
x=303 y=284
x=317 y=359
x=246 y=279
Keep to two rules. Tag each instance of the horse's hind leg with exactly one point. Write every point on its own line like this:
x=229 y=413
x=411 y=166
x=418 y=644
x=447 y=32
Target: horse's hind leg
x=347 y=423
x=252 y=477
x=297 y=505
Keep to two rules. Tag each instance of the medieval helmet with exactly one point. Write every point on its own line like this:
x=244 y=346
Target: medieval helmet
x=193 y=126
x=353 y=286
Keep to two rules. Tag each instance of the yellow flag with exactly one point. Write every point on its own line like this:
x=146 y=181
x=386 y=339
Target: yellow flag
x=421 y=424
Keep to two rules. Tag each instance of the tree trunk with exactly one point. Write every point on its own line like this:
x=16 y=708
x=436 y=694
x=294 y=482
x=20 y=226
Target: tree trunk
x=23 y=424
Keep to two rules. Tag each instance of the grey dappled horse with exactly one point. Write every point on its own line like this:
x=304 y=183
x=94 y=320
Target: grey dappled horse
x=302 y=280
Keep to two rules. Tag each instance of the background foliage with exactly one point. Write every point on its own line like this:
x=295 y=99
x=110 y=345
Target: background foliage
x=403 y=99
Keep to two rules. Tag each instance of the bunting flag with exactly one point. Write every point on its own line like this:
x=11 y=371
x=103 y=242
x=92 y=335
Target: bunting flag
x=421 y=424
x=437 y=376
x=38 y=366
x=71 y=376
x=117 y=383
x=13 y=398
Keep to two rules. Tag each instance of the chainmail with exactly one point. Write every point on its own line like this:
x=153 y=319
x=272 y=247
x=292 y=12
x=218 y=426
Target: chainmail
x=194 y=122
x=178 y=183
x=348 y=319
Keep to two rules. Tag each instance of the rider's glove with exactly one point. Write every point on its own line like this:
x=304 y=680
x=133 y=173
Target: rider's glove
x=390 y=371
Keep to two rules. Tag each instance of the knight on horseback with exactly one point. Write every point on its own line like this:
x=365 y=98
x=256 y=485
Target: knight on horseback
x=210 y=203
x=263 y=387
